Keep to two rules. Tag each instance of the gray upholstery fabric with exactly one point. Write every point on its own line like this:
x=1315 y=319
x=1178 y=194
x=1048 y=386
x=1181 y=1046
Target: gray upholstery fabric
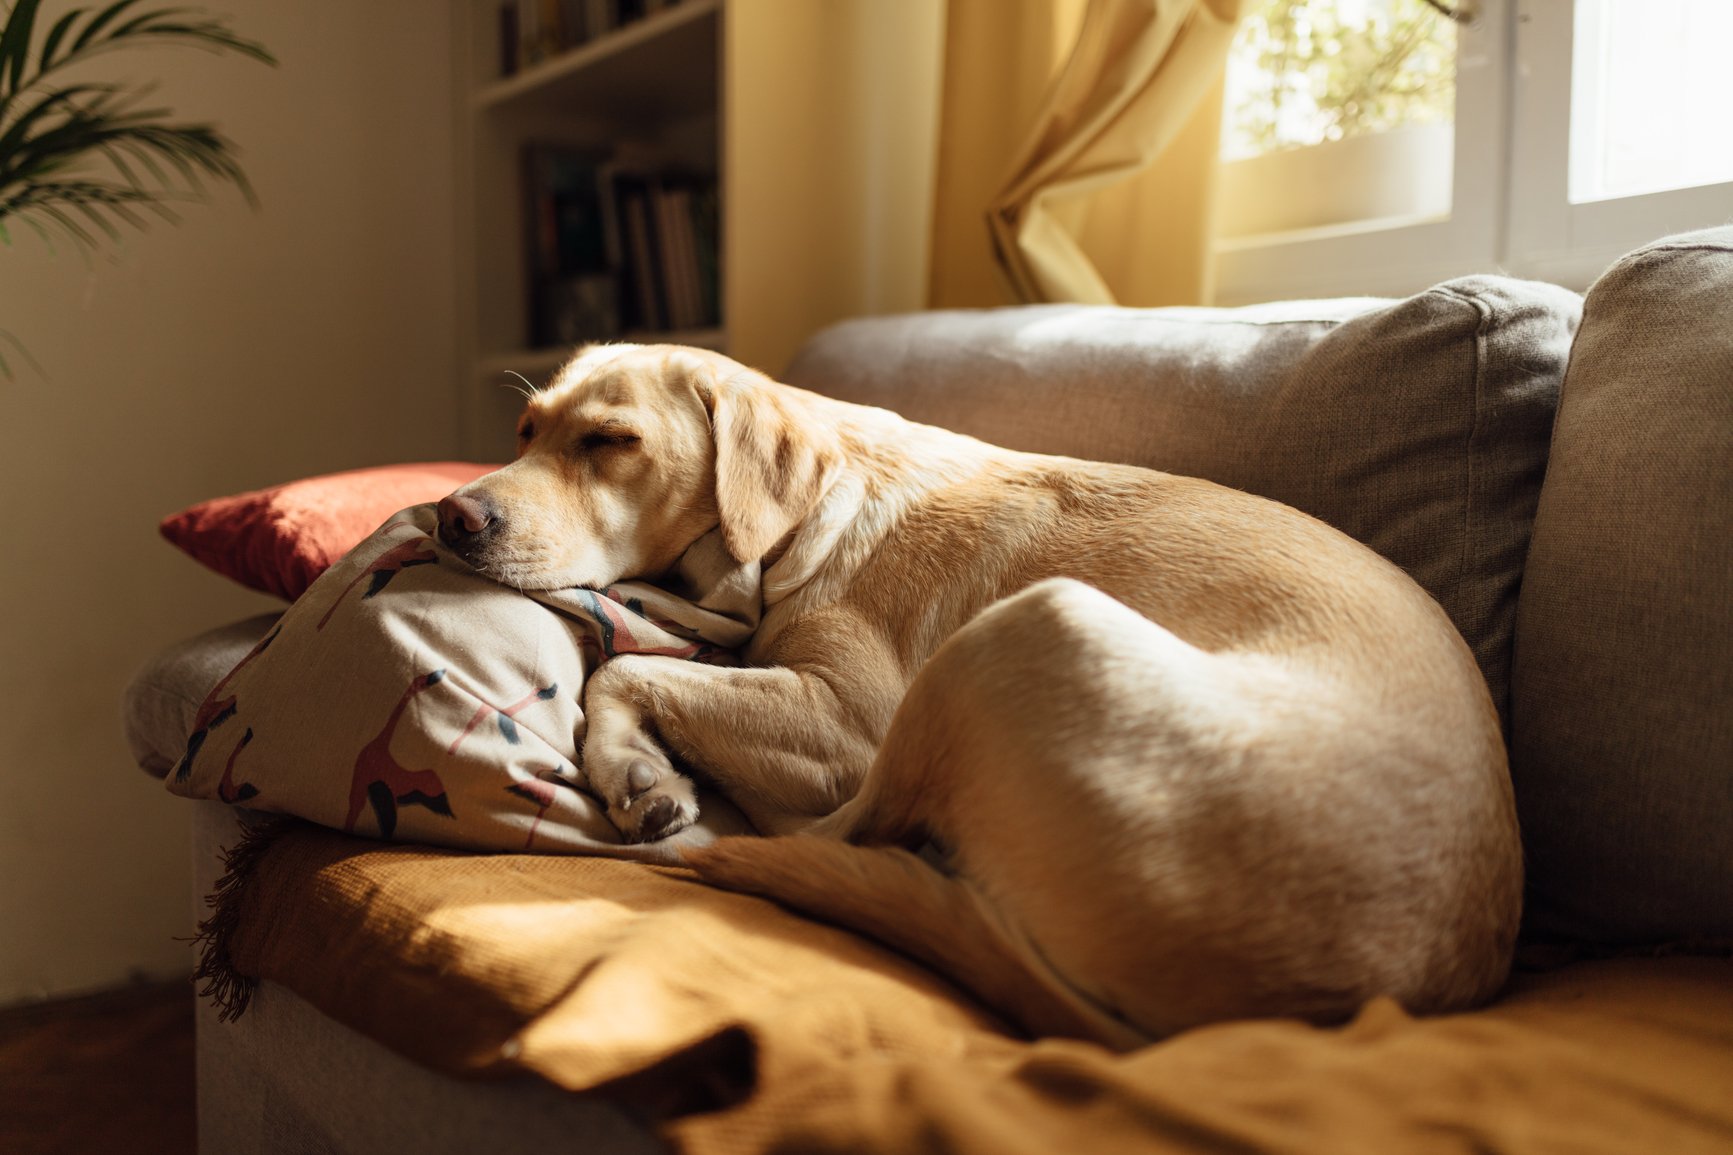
x=159 y=703
x=1419 y=427
x=1622 y=722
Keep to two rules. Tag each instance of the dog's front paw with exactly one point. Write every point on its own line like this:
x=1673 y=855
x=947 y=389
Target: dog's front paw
x=646 y=797
x=657 y=801
x=626 y=766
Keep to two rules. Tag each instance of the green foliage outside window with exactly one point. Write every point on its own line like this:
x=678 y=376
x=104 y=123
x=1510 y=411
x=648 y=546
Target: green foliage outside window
x=1303 y=72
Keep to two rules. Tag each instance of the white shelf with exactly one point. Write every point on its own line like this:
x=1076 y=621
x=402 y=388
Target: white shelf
x=655 y=68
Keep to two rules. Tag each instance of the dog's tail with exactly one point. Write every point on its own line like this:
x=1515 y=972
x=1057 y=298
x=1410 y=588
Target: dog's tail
x=897 y=898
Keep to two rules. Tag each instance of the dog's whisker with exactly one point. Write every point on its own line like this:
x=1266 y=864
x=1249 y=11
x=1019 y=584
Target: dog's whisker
x=528 y=388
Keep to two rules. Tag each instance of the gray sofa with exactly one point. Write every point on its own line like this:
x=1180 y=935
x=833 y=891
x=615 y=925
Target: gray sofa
x=1558 y=474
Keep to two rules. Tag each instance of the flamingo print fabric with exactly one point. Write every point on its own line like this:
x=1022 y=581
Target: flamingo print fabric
x=405 y=696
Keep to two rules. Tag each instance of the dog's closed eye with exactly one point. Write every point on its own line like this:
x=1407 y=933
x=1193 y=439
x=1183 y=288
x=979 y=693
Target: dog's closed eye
x=608 y=437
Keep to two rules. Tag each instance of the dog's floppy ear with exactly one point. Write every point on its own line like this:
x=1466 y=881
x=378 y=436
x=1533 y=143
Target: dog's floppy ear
x=773 y=461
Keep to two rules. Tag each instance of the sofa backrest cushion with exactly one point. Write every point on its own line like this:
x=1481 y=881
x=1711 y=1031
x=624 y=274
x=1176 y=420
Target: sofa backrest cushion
x=1419 y=427
x=1622 y=704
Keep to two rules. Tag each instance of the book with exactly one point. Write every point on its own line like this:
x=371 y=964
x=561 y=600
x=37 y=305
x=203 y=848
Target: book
x=638 y=260
x=600 y=17
x=508 y=38
x=686 y=244
x=660 y=236
x=573 y=290
x=668 y=250
x=531 y=31
x=574 y=24
x=707 y=236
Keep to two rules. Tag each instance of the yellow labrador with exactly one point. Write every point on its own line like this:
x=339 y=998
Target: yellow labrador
x=1185 y=754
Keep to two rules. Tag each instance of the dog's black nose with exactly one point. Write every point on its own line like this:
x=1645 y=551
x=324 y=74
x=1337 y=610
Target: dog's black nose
x=464 y=520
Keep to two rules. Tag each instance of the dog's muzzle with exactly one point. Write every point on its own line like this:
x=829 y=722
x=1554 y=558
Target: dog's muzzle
x=466 y=523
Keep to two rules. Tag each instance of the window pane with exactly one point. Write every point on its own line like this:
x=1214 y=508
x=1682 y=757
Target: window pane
x=1305 y=72
x=1651 y=86
x=1338 y=114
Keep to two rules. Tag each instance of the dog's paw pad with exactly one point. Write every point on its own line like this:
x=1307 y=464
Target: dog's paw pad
x=666 y=805
x=658 y=820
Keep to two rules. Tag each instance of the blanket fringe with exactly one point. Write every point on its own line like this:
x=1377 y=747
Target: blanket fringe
x=227 y=988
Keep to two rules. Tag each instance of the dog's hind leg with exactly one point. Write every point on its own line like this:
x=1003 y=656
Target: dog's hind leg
x=1103 y=789
x=1027 y=747
x=1058 y=674
x=898 y=898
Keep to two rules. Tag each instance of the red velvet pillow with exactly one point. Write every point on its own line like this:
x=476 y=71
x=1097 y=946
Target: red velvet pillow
x=278 y=540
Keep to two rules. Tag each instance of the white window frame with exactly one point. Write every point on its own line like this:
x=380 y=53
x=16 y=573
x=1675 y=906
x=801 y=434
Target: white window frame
x=1550 y=238
x=1510 y=205
x=1379 y=260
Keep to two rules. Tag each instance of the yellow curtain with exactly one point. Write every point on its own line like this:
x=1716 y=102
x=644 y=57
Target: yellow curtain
x=1111 y=169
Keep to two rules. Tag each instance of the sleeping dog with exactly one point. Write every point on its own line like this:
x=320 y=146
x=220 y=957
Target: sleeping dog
x=1180 y=753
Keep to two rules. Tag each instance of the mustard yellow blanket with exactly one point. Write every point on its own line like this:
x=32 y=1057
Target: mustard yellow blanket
x=735 y=1026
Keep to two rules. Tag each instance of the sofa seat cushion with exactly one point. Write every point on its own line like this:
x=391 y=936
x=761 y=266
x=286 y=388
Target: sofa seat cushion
x=1622 y=731
x=1418 y=427
x=161 y=701
x=737 y=1026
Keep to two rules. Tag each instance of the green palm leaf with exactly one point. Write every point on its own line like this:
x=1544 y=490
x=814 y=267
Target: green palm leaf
x=59 y=142
x=82 y=160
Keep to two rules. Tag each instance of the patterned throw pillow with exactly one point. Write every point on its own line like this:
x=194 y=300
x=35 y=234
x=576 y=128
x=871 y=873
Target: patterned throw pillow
x=408 y=697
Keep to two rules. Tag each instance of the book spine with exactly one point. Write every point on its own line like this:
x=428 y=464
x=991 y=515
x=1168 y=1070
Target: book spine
x=529 y=32
x=540 y=244
x=691 y=300
x=554 y=36
x=707 y=228
x=599 y=17
x=643 y=258
x=508 y=39
x=667 y=243
x=573 y=23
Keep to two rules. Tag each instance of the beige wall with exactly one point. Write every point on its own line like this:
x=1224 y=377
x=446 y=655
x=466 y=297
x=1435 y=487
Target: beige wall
x=235 y=351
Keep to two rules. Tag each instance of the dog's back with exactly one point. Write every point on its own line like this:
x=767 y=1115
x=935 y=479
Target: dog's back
x=1246 y=767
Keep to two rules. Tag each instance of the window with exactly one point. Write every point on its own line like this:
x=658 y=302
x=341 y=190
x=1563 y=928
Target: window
x=1604 y=88
x=1649 y=83
x=1373 y=146
x=1348 y=107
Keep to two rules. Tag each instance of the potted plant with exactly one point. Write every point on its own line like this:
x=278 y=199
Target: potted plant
x=82 y=160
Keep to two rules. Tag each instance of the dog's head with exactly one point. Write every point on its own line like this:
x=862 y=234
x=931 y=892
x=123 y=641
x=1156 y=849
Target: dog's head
x=630 y=456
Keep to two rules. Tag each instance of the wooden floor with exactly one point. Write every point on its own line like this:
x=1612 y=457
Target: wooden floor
x=107 y=1073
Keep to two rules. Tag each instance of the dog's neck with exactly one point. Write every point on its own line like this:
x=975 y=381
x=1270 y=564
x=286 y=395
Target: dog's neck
x=814 y=540
x=889 y=464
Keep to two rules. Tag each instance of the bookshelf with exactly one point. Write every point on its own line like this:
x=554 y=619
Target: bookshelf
x=814 y=120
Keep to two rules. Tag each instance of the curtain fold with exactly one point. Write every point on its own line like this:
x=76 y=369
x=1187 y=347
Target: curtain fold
x=999 y=59
x=1129 y=92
